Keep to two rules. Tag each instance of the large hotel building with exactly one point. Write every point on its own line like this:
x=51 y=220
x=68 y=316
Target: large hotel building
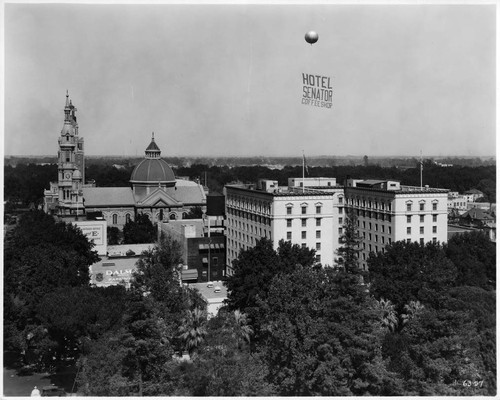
x=307 y=215
x=311 y=211
x=388 y=211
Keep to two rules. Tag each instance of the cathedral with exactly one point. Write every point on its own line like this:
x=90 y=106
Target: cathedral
x=153 y=191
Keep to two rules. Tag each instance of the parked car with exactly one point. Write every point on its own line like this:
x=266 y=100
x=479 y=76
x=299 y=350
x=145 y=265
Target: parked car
x=53 y=390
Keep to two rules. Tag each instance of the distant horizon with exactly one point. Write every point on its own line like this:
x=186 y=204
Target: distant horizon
x=263 y=156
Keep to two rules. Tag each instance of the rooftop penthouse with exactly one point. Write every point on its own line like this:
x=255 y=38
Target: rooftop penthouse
x=391 y=185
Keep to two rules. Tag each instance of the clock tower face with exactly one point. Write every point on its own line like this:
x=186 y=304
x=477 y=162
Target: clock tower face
x=68 y=175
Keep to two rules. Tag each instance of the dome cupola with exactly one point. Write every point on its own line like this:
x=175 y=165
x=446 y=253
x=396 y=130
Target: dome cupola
x=153 y=171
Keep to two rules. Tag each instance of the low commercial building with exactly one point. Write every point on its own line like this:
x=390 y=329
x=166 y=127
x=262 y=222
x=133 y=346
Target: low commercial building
x=203 y=254
x=118 y=265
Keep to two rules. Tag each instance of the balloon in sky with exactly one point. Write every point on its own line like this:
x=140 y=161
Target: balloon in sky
x=311 y=37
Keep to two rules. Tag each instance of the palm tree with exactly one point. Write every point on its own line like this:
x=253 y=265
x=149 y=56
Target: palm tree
x=242 y=331
x=389 y=317
x=192 y=330
x=413 y=309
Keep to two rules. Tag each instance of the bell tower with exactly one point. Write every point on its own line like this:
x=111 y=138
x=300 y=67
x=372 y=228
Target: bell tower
x=71 y=165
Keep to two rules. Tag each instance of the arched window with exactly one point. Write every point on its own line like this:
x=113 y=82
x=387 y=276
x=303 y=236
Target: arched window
x=127 y=218
x=115 y=219
x=172 y=216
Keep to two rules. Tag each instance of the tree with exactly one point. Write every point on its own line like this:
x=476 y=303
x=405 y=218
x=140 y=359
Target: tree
x=139 y=231
x=321 y=336
x=350 y=241
x=75 y=315
x=255 y=268
x=410 y=271
x=130 y=359
x=114 y=235
x=194 y=213
x=474 y=256
x=242 y=331
x=443 y=333
x=192 y=331
x=158 y=272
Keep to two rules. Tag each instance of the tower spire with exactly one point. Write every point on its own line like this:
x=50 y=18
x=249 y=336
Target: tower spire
x=67 y=98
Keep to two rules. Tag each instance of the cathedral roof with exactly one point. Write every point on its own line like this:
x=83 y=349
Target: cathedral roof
x=153 y=170
x=108 y=196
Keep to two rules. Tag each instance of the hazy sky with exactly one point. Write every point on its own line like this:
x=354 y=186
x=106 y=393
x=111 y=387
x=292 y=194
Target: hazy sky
x=227 y=79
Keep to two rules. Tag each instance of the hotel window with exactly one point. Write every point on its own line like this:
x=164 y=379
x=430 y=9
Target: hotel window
x=340 y=231
x=364 y=224
x=340 y=220
x=390 y=230
x=304 y=209
x=370 y=225
x=318 y=221
x=376 y=227
x=434 y=206
x=318 y=246
x=127 y=218
x=422 y=241
x=115 y=219
x=408 y=240
x=304 y=234
x=289 y=210
x=408 y=218
x=422 y=218
x=303 y=245
x=422 y=206
x=304 y=221
x=318 y=258
x=434 y=218
x=376 y=238
x=408 y=206
x=390 y=240
x=369 y=236
x=318 y=209
x=421 y=230
x=289 y=235
x=383 y=228
x=318 y=234
x=288 y=223
x=341 y=210
x=341 y=200
x=408 y=231
x=434 y=240
x=434 y=229
x=383 y=239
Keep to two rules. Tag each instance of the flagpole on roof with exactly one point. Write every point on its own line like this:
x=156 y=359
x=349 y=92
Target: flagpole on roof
x=421 y=169
x=303 y=169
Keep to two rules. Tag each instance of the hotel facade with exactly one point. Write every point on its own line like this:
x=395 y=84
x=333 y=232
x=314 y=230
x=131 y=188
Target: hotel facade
x=311 y=212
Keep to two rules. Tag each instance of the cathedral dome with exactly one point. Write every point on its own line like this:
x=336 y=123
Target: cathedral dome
x=153 y=170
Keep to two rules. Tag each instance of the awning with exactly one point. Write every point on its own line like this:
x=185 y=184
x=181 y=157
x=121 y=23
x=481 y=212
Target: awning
x=189 y=274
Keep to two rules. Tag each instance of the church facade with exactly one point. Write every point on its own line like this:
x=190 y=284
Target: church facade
x=153 y=191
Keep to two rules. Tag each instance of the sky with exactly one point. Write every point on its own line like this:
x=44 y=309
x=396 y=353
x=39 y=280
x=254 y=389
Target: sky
x=227 y=79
